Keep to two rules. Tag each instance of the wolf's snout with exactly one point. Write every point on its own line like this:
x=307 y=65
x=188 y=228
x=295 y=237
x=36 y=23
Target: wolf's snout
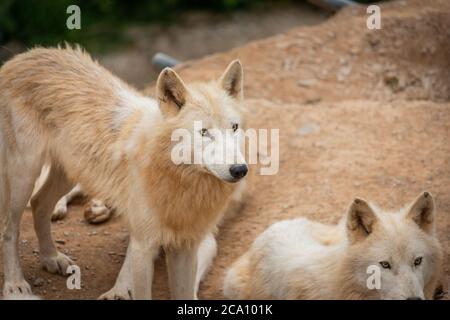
x=238 y=171
x=414 y=298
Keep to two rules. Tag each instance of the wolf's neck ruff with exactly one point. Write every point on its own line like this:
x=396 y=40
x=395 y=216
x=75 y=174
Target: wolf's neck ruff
x=187 y=200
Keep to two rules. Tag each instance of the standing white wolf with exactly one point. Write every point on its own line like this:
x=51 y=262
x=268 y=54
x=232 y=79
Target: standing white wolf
x=302 y=259
x=58 y=106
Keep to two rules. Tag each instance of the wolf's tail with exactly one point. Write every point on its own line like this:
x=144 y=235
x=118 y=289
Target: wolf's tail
x=236 y=283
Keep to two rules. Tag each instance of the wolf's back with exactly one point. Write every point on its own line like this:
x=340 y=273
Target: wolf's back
x=57 y=84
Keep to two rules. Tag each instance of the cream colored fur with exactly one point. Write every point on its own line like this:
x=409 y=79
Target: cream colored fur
x=96 y=212
x=302 y=259
x=58 y=106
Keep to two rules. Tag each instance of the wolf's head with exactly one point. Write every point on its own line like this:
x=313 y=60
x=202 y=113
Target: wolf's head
x=400 y=249
x=206 y=122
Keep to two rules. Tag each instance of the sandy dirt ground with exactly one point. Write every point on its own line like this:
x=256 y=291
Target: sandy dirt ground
x=361 y=113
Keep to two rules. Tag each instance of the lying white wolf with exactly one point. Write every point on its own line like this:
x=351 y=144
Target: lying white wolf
x=60 y=107
x=302 y=259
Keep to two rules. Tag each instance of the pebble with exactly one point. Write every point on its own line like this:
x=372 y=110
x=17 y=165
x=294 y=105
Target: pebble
x=38 y=282
x=308 y=128
x=343 y=72
x=307 y=82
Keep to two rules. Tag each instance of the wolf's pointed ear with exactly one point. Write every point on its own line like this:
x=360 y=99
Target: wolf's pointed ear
x=360 y=220
x=232 y=79
x=422 y=212
x=171 y=92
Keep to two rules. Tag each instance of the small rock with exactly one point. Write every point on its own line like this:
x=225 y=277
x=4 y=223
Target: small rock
x=309 y=128
x=60 y=241
x=355 y=51
x=312 y=100
x=38 y=282
x=374 y=42
x=393 y=83
x=343 y=72
x=376 y=67
x=307 y=82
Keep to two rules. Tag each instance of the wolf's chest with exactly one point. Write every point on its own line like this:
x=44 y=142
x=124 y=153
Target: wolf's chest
x=187 y=214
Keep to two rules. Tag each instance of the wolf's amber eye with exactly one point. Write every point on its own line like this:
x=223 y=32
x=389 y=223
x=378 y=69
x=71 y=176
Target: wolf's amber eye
x=235 y=126
x=385 y=264
x=418 y=261
x=204 y=132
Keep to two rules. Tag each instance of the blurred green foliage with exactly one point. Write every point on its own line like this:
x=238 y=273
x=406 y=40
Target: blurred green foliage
x=44 y=21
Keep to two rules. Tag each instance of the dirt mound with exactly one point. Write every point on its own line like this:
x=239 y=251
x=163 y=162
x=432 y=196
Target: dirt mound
x=408 y=58
x=361 y=113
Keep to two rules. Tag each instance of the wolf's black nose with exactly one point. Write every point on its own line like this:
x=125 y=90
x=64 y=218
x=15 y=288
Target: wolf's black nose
x=238 y=171
x=414 y=298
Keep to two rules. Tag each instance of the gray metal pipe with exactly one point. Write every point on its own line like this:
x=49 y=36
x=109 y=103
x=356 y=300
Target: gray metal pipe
x=333 y=5
x=161 y=60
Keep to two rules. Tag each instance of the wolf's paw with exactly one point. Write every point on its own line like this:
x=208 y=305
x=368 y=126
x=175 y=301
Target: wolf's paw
x=60 y=212
x=121 y=293
x=17 y=290
x=97 y=212
x=56 y=264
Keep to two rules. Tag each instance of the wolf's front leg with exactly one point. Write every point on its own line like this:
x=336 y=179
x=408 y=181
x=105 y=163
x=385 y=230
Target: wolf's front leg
x=182 y=271
x=136 y=275
x=142 y=260
x=15 y=285
x=123 y=288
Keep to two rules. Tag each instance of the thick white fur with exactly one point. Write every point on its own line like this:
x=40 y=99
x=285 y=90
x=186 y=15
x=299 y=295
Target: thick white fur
x=302 y=259
x=59 y=107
